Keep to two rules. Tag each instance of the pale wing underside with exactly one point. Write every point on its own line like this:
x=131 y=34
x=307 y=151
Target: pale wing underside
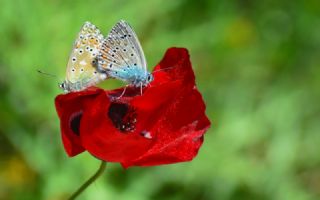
x=81 y=68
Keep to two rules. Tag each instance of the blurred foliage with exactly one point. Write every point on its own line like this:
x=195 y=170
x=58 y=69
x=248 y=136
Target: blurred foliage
x=257 y=65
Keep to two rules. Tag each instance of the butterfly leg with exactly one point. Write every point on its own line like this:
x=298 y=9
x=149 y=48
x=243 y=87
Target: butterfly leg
x=124 y=91
x=141 y=89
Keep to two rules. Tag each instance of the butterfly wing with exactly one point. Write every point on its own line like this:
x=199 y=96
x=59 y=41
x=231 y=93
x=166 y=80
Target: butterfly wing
x=121 y=53
x=81 y=68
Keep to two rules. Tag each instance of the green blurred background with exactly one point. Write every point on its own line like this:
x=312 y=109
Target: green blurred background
x=257 y=66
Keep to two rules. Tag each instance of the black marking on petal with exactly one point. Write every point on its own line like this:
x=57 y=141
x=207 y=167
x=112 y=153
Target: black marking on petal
x=123 y=117
x=74 y=123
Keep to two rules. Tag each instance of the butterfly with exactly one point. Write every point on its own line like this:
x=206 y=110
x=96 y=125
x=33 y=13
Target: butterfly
x=82 y=70
x=122 y=57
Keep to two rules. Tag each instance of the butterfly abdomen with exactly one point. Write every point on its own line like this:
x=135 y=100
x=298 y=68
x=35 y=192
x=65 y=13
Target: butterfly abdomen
x=130 y=75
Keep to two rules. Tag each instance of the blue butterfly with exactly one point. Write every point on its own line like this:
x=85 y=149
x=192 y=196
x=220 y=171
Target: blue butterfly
x=122 y=57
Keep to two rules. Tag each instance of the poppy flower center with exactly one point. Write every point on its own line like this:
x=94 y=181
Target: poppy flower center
x=122 y=116
x=75 y=122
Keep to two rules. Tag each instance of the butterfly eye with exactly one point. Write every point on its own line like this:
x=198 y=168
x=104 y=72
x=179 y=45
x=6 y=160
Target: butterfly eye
x=150 y=78
x=62 y=85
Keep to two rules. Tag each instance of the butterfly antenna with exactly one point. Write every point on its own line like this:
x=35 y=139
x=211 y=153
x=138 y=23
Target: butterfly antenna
x=159 y=70
x=47 y=74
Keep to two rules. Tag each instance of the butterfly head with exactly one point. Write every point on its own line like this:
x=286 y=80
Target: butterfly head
x=145 y=81
x=149 y=78
x=63 y=86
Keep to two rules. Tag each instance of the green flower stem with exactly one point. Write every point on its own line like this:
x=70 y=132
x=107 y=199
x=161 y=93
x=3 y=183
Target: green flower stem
x=90 y=181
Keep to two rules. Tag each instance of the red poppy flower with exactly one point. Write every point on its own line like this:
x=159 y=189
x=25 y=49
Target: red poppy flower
x=164 y=125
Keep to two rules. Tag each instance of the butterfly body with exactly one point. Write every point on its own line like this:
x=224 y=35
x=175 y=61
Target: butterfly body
x=122 y=57
x=82 y=70
x=81 y=85
x=131 y=75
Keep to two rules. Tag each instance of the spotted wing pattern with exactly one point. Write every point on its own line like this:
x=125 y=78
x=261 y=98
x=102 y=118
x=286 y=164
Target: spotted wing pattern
x=121 y=53
x=82 y=65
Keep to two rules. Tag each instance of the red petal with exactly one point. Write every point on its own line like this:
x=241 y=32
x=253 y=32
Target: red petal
x=175 y=65
x=104 y=138
x=70 y=108
x=152 y=104
x=178 y=131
